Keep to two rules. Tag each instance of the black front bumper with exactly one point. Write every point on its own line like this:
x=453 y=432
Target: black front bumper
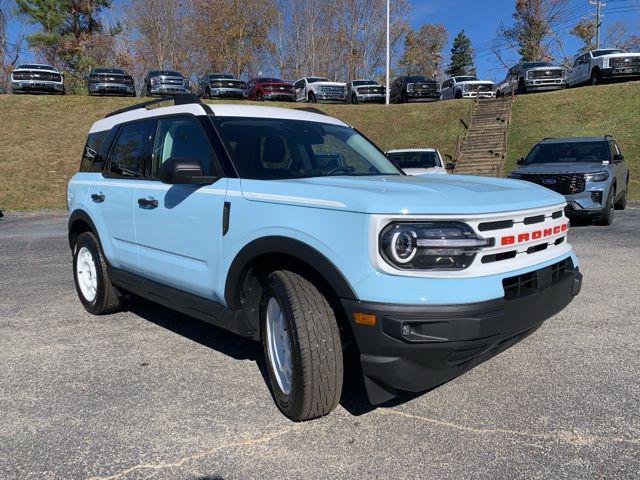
x=414 y=348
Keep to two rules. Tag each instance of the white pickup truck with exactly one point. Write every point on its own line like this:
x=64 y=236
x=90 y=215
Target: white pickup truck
x=597 y=65
x=467 y=86
x=320 y=89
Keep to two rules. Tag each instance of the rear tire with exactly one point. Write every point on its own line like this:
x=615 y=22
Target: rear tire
x=95 y=290
x=301 y=345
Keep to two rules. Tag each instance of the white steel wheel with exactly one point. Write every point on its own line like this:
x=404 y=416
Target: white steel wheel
x=278 y=345
x=86 y=274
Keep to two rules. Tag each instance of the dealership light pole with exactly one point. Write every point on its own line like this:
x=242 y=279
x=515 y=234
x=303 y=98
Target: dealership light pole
x=388 y=89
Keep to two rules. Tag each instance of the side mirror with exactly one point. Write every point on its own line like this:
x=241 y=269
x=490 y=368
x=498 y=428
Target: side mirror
x=618 y=157
x=451 y=166
x=520 y=161
x=181 y=170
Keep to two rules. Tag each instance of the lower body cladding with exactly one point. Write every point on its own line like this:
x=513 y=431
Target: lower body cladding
x=112 y=89
x=545 y=85
x=226 y=93
x=279 y=97
x=371 y=98
x=167 y=90
x=415 y=348
x=630 y=73
x=26 y=86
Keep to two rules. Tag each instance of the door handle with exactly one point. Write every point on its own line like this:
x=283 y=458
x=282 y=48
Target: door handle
x=97 y=197
x=149 y=202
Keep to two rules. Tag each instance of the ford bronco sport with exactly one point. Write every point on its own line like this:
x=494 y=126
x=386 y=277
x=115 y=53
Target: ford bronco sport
x=224 y=213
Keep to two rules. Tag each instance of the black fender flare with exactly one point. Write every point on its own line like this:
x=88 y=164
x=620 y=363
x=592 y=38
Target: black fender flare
x=76 y=217
x=284 y=246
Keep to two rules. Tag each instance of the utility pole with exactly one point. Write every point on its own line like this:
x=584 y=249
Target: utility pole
x=598 y=4
x=388 y=87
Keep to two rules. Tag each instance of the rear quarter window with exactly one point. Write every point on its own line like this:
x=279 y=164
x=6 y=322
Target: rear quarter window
x=89 y=161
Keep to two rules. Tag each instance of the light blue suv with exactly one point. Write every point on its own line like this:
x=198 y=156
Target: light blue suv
x=239 y=216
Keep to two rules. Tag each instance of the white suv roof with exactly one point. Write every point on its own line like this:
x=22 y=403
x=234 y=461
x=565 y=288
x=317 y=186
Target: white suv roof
x=220 y=110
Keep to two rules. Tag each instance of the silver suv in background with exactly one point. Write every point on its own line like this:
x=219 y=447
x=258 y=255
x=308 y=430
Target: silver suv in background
x=590 y=172
x=37 y=77
x=527 y=77
x=361 y=91
x=165 y=82
x=220 y=85
x=468 y=86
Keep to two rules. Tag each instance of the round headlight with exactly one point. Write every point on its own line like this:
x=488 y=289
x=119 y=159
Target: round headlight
x=404 y=246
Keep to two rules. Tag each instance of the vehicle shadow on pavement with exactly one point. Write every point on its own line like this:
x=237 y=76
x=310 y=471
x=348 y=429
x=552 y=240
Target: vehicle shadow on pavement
x=354 y=397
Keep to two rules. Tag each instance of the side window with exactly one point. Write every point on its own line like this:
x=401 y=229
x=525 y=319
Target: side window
x=298 y=84
x=129 y=152
x=90 y=157
x=181 y=137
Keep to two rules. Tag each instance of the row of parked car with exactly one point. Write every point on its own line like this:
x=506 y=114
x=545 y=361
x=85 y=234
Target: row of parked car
x=592 y=67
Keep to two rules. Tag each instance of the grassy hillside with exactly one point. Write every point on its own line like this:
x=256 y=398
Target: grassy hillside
x=607 y=109
x=43 y=136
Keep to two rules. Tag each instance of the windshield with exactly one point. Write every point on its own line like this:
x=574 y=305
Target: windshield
x=358 y=83
x=466 y=79
x=36 y=67
x=568 y=152
x=269 y=80
x=536 y=64
x=425 y=159
x=276 y=149
x=222 y=75
x=169 y=73
x=317 y=79
x=416 y=78
x=115 y=71
x=611 y=51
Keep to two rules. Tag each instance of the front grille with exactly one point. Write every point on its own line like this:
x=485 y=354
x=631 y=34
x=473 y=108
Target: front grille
x=426 y=87
x=555 y=73
x=333 y=89
x=44 y=76
x=625 y=62
x=278 y=88
x=482 y=88
x=565 y=184
x=228 y=84
x=367 y=90
x=111 y=79
x=528 y=283
x=172 y=81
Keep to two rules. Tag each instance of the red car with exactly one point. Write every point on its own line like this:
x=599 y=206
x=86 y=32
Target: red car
x=266 y=88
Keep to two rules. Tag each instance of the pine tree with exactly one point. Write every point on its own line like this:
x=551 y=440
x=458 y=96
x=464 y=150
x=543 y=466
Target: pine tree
x=461 y=56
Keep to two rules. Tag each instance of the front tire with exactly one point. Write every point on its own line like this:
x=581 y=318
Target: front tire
x=596 y=77
x=522 y=88
x=302 y=346
x=95 y=290
x=607 y=215
x=312 y=98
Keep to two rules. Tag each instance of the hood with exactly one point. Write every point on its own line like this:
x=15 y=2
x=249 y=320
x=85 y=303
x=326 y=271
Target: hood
x=400 y=194
x=564 y=167
x=422 y=171
x=476 y=82
x=620 y=55
x=330 y=84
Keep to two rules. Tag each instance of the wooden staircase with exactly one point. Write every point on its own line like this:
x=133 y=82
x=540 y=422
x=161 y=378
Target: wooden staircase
x=483 y=149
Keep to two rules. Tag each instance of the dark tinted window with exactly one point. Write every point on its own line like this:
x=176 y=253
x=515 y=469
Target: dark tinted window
x=90 y=154
x=221 y=75
x=599 y=53
x=359 y=83
x=269 y=80
x=416 y=78
x=116 y=71
x=127 y=156
x=317 y=79
x=271 y=148
x=415 y=159
x=181 y=137
x=36 y=67
x=536 y=64
x=569 y=152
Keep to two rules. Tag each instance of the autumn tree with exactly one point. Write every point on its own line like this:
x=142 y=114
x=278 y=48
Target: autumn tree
x=423 y=50
x=10 y=47
x=461 y=56
x=233 y=35
x=67 y=32
x=585 y=31
x=532 y=34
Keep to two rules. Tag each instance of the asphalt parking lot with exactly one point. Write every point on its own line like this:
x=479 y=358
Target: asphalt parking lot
x=151 y=394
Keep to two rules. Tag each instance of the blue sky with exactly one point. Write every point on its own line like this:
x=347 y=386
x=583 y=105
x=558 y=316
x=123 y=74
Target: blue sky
x=482 y=18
